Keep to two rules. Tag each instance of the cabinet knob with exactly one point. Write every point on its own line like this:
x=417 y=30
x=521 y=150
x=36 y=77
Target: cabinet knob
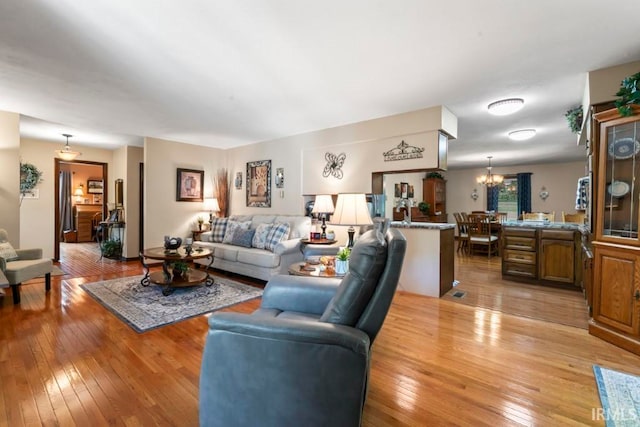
x=637 y=294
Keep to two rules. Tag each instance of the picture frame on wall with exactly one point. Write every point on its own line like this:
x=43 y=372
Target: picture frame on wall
x=404 y=190
x=410 y=192
x=259 y=184
x=189 y=185
x=397 y=191
x=238 y=181
x=95 y=186
x=279 y=178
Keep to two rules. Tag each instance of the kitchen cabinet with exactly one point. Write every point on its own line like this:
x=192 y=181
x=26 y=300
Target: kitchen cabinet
x=559 y=255
x=616 y=245
x=519 y=252
x=434 y=192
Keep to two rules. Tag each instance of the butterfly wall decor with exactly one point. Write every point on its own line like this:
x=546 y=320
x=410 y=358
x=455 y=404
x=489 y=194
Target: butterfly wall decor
x=334 y=165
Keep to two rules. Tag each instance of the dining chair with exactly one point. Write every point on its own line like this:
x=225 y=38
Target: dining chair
x=463 y=232
x=480 y=236
x=501 y=217
x=577 y=217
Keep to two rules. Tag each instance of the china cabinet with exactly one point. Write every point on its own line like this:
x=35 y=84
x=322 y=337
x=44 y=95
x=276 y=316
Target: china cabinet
x=616 y=246
x=434 y=192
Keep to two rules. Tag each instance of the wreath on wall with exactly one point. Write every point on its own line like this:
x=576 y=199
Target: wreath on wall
x=30 y=176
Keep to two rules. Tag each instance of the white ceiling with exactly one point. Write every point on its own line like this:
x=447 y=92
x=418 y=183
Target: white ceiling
x=224 y=73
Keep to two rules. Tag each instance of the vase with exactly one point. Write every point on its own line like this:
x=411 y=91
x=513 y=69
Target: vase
x=342 y=266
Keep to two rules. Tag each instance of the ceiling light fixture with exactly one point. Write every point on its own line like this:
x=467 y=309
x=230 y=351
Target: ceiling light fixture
x=490 y=179
x=505 y=106
x=522 y=134
x=67 y=153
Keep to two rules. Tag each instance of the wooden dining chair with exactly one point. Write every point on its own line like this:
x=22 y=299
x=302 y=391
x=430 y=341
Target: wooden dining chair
x=463 y=232
x=480 y=237
x=577 y=217
x=501 y=217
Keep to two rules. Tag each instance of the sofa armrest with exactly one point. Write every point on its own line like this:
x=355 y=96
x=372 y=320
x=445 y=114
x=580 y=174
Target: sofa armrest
x=298 y=293
x=206 y=236
x=3 y=264
x=287 y=247
x=29 y=253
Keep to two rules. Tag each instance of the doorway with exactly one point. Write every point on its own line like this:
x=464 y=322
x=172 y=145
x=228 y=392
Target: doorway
x=86 y=188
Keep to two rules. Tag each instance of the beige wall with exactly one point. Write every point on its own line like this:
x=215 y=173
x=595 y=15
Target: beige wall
x=163 y=214
x=37 y=221
x=9 y=175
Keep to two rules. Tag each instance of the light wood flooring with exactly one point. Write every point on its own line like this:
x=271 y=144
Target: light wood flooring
x=65 y=360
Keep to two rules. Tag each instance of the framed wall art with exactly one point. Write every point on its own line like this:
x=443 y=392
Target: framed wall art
x=259 y=184
x=404 y=190
x=279 y=178
x=238 y=180
x=94 y=186
x=190 y=185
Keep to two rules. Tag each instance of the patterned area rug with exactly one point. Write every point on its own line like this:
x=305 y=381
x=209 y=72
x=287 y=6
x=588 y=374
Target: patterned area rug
x=620 y=398
x=145 y=307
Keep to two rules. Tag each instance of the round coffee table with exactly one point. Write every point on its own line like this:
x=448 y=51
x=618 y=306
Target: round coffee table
x=166 y=278
x=305 y=269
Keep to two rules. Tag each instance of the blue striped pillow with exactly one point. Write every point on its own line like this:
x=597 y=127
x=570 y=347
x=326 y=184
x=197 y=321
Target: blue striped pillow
x=278 y=233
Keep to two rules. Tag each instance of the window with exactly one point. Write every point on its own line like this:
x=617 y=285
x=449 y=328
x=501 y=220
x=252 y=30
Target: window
x=508 y=197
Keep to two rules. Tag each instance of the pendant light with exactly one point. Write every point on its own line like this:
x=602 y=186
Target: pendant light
x=490 y=179
x=67 y=153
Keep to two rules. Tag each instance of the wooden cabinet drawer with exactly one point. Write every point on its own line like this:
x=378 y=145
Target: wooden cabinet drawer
x=557 y=234
x=519 y=231
x=523 y=257
x=519 y=269
x=519 y=243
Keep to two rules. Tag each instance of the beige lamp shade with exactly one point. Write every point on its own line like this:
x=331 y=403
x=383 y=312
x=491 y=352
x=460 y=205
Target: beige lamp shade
x=351 y=209
x=211 y=204
x=79 y=191
x=323 y=204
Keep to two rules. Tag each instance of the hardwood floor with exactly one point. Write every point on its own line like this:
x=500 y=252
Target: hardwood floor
x=65 y=360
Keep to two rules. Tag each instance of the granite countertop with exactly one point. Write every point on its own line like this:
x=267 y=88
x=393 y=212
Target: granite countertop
x=551 y=225
x=425 y=225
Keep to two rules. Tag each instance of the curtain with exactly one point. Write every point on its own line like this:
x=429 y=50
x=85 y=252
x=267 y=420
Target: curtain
x=492 y=198
x=66 y=207
x=524 y=192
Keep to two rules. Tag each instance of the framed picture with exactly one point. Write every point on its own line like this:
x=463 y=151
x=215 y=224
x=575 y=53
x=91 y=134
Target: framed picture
x=410 y=193
x=97 y=199
x=404 y=190
x=280 y=178
x=238 y=180
x=397 y=191
x=190 y=185
x=259 y=184
x=94 y=186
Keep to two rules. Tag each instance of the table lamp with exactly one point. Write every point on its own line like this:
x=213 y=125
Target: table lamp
x=323 y=205
x=351 y=209
x=211 y=205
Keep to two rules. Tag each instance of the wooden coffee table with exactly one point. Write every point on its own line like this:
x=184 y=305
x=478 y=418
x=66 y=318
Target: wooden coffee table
x=312 y=270
x=166 y=278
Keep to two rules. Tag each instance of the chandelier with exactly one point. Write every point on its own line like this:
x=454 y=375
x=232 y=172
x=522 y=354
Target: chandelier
x=490 y=179
x=67 y=153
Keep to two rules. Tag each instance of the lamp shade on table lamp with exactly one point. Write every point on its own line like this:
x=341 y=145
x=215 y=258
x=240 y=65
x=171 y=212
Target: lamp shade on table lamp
x=351 y=209
x=211 y=205
x=323 y=205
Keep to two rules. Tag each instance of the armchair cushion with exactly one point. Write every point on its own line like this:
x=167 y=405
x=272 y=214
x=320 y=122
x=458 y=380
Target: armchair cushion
x=7 y=252
x=367 y=260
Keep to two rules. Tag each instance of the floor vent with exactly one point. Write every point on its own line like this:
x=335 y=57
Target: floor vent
x=458 y=294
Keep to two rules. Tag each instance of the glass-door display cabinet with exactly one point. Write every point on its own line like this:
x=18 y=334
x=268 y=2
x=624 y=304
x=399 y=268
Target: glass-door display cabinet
x=619 y=178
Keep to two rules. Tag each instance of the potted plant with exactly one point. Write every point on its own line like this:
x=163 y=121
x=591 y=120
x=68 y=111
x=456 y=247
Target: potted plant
x=574 y=119
x=437 y=175
x=180 y=270
x=629 y=94
x=200 y=222
x=111 y=248
x=424 y=208
x=342 y=260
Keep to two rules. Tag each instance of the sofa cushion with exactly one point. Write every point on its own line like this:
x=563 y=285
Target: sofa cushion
x=260 y=236
x=366 y=263
x=278 y=233
x=300 y=226
x=232 y=226
x=256 y=220
x=226 y=252
x=258 y=258
x=243 y=238
x=7 y=251
x=218 y=228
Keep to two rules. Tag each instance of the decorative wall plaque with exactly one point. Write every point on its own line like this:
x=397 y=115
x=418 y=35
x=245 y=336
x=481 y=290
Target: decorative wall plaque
x=403 y=151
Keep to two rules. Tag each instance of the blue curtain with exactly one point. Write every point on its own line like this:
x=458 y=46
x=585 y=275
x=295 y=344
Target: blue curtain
x=66 y=205
x=524 y=192
x=492 y=198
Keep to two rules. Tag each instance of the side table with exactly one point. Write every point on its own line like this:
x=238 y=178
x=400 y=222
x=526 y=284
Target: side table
x=197 y=235
x=313 y=270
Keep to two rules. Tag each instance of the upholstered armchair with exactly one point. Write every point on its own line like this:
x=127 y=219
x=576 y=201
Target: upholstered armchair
x=19 y=265
x=302 y=358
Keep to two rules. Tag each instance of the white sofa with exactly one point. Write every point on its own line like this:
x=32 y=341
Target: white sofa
x=254 y=262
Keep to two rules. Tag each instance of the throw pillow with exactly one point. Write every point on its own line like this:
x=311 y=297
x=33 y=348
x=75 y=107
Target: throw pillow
x=243 y=238
x=260 y=237
x=278 y=233
x=7 y=252
x=218 y=229
x=232 y=226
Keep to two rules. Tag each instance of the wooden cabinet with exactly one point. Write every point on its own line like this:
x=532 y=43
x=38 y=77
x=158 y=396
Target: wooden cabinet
x=434 y=192
x=616 y=246
x=546 y=255
x=84 y=215
x=559 y=256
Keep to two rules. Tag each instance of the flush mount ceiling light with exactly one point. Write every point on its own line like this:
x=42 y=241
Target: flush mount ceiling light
x=67 y=153
x=522 y=134
x=505 y=106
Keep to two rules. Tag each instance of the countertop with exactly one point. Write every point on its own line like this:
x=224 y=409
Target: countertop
x=551 y=225
x=423 y=225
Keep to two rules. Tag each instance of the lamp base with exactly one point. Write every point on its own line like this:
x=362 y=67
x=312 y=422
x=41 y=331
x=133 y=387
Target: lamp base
x=324 y=228
x=351 y=231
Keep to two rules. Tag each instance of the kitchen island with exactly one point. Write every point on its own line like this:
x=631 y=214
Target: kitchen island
x=428 y=263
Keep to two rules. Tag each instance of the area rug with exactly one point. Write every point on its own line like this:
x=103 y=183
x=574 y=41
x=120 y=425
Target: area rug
x=145 y=307
x=620 y=398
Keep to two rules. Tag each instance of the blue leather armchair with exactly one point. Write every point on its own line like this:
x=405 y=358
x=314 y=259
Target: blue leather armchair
x=302 y=358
